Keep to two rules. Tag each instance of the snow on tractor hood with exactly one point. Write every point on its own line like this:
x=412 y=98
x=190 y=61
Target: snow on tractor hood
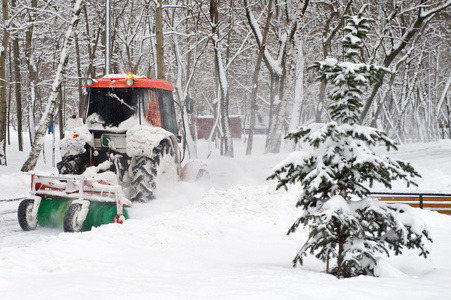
x=141 y=139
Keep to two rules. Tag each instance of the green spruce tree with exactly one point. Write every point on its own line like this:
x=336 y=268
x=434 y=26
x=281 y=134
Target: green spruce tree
x=347 y=229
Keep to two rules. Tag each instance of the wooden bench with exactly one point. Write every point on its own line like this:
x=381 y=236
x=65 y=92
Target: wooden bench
x=436 y=202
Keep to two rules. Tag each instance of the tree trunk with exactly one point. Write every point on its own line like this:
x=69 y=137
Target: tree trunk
x=3 y=83
x=253 y=99
x=52 y=100
x=159 y=40
x=31 y=72
x=18 y=86
x=276 y=87
x=223 y=102
x=81 y=99
x=341 y=272
x=443 y=96
x=226 y=136
x=61 y=112
x=293 y=44
x=298 y=96
x=183 y=95
x=18 y=91
x=90 y=71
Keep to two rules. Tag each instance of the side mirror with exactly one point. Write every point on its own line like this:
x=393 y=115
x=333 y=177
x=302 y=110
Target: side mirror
x=189 y=105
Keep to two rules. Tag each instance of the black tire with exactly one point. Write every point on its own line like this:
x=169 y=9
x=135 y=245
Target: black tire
x=25 y=217
x=70 y=218
x=148 y=173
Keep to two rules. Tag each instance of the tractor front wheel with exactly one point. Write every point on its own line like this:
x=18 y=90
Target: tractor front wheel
x=71 y=224
x=25 y=215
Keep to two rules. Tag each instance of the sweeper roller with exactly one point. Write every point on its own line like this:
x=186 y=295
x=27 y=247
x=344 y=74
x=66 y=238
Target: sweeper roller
x=75 y=203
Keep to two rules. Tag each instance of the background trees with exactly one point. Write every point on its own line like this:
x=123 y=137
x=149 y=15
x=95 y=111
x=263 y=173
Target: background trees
x=212 y=47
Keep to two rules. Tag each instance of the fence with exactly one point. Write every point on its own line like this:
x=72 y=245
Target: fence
x=431 y=201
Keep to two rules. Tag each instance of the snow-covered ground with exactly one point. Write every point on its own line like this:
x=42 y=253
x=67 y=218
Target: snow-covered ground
x=223 y=238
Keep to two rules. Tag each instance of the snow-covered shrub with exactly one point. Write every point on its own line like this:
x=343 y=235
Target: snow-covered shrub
x=337 y=166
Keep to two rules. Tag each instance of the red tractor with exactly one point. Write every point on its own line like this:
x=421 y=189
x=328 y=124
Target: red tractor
x=130 y=128
x=125 y=148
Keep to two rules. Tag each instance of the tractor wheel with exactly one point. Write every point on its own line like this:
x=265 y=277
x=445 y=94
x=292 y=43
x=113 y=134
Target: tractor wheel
x=150 y=174
x=25 y=217
x=70 y=218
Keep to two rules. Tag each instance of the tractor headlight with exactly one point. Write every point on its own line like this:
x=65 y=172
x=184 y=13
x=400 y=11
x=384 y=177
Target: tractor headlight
x=89 y=82
x=130 y=79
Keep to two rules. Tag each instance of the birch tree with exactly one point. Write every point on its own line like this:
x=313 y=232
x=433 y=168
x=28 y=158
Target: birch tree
x=30 y=163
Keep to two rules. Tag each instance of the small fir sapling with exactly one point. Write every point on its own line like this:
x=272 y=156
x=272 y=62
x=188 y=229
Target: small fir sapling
x=336 y=167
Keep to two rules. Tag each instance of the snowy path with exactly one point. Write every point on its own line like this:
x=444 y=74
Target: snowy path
x=11 y=235
x=222 y=239
x=8 y=218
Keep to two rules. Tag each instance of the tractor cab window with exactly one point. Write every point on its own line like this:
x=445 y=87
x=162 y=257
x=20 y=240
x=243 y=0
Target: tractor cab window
x=109 y=107
x=159 y=109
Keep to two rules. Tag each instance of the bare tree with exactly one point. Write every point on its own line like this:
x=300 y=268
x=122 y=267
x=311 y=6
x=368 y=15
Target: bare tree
x=294 y=37
x=3 y=82
x=30 y=163
x=261 y=50
x=223 y=103
x=425 y=11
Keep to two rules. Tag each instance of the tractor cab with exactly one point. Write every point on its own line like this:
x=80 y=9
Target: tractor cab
x=115 y=103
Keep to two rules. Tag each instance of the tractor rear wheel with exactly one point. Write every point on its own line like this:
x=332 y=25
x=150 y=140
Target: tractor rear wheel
x=24 y=214
x=150 y=174
x=71 y=224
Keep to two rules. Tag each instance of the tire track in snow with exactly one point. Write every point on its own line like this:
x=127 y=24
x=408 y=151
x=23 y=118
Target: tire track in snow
x=11 y=235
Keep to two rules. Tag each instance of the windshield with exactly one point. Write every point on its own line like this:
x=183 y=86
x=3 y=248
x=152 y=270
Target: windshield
x=110 y=107
x=159 y=109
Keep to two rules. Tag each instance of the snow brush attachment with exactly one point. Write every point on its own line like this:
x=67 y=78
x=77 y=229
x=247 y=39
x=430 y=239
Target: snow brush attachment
x=72 y=202
x=51 y=212
x=98 y=214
